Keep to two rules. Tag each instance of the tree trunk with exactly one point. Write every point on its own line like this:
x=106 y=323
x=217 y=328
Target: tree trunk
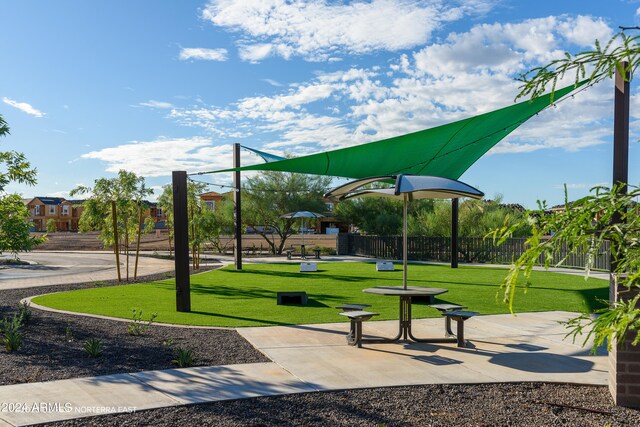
x=135 y=270
x=126 y=243
x=116 y=247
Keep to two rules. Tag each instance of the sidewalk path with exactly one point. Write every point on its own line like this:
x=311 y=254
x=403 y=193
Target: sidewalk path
x=58 y=268
x=501 y=348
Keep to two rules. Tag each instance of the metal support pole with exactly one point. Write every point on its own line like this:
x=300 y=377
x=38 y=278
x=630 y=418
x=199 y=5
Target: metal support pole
x=620 y=138
x=237 y=253
x=454 y=233
x=405 y=248
x=181 y=241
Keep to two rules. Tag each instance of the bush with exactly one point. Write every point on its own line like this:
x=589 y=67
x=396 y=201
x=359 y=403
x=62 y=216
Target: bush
x=184 y=358
x=24 y=313
x=137 y=326
x=51 y=225
x=93 y=347
x=12 y=333
x=324 y=250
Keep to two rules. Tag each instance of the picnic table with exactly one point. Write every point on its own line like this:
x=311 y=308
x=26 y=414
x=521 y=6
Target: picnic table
x=404 y=320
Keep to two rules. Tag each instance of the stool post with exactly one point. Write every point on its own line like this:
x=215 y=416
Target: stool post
x=460 y=332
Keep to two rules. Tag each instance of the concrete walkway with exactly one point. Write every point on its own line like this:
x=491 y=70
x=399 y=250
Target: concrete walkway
x=501 y=348
x=58 y=268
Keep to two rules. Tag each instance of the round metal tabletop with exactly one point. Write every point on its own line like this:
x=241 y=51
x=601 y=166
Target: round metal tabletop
x=401 y=291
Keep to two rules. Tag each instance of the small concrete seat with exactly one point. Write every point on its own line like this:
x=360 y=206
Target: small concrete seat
x=460 y=316
x=357 y=317
x=443 y=308
x=353 y=307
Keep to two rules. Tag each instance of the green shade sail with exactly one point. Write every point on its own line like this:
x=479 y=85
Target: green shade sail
x=445 y=151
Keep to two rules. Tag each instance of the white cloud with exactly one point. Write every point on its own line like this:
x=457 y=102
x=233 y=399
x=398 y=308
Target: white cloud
x=187 y=53
x=273 y=82
x=160 y=157
x=464 y=75
x=24 y=107
x=316 y=30
x=156 y=104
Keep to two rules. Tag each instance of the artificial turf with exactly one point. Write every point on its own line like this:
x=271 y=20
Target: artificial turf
x=227 y=297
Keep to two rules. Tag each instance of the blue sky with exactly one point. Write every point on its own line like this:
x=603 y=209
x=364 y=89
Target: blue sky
x=89 y=88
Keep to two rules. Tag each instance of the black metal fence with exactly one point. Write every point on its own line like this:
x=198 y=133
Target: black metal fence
x=470 y=249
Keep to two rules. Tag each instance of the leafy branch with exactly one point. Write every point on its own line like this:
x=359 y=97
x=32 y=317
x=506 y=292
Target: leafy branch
x=592 y=65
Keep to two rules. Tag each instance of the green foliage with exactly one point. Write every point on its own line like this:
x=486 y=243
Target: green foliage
x=183 y=358
x=14 y=216
x=379 y=216
x=24 y=313
x=4 y=127
x=14 y=226
x=68 y=334
x=593 y=65
x=584 y=227
x=270 y=194
x=324 y=250
x=138 y=326
x=12 y=334
x=114 y=208
x=476 y=218
x=51 y=225
x=93 y=347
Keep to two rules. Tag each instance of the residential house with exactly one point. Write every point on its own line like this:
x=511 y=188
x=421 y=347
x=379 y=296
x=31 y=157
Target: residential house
x=66 y=213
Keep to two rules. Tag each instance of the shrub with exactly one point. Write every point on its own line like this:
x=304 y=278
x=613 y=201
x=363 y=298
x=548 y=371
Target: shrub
x=184 y=358
x=137 y=326
x=24 y=313
x=67 y=332
x=12 y=333
x=51 y=225
x=93 y=347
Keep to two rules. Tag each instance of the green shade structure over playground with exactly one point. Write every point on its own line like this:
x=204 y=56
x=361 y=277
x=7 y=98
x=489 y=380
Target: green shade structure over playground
x=446 y=151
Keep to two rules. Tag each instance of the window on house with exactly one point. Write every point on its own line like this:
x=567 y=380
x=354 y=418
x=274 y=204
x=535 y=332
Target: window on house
x=52 y=210
x=211 y=204
x=65 y=209
x=37 y=211
x=159 y=212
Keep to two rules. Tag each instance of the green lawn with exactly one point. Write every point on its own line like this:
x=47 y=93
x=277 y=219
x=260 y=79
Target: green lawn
x=228 y=297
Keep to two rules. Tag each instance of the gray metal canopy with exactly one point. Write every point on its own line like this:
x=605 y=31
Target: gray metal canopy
x=407 y=187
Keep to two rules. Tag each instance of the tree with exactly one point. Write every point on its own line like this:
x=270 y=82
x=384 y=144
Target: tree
x=588 y=223
x=116 y=208
x=270 y=194
x=165 y=201
x=379 y=216
x=51 y=225
x=15 y=233
x=476 y=218
x=218 y=222
x=205 y=225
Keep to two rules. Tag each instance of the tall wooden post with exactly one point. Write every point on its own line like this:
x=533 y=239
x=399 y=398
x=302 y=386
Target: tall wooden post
x=237 y=253
x=624 y=360
x=454 y=233
x=181 y=241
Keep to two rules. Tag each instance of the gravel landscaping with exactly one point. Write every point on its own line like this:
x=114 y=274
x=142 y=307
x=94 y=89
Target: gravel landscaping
x=53 y=343
x=527 y=404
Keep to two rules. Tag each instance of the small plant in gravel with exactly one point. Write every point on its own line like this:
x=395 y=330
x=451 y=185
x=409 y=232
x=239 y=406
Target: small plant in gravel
x=93 y=347
x=138 y=326
x=168 y=342
x=24 y=312
x=67 y=332
x=12 y=333
x=184 y=358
